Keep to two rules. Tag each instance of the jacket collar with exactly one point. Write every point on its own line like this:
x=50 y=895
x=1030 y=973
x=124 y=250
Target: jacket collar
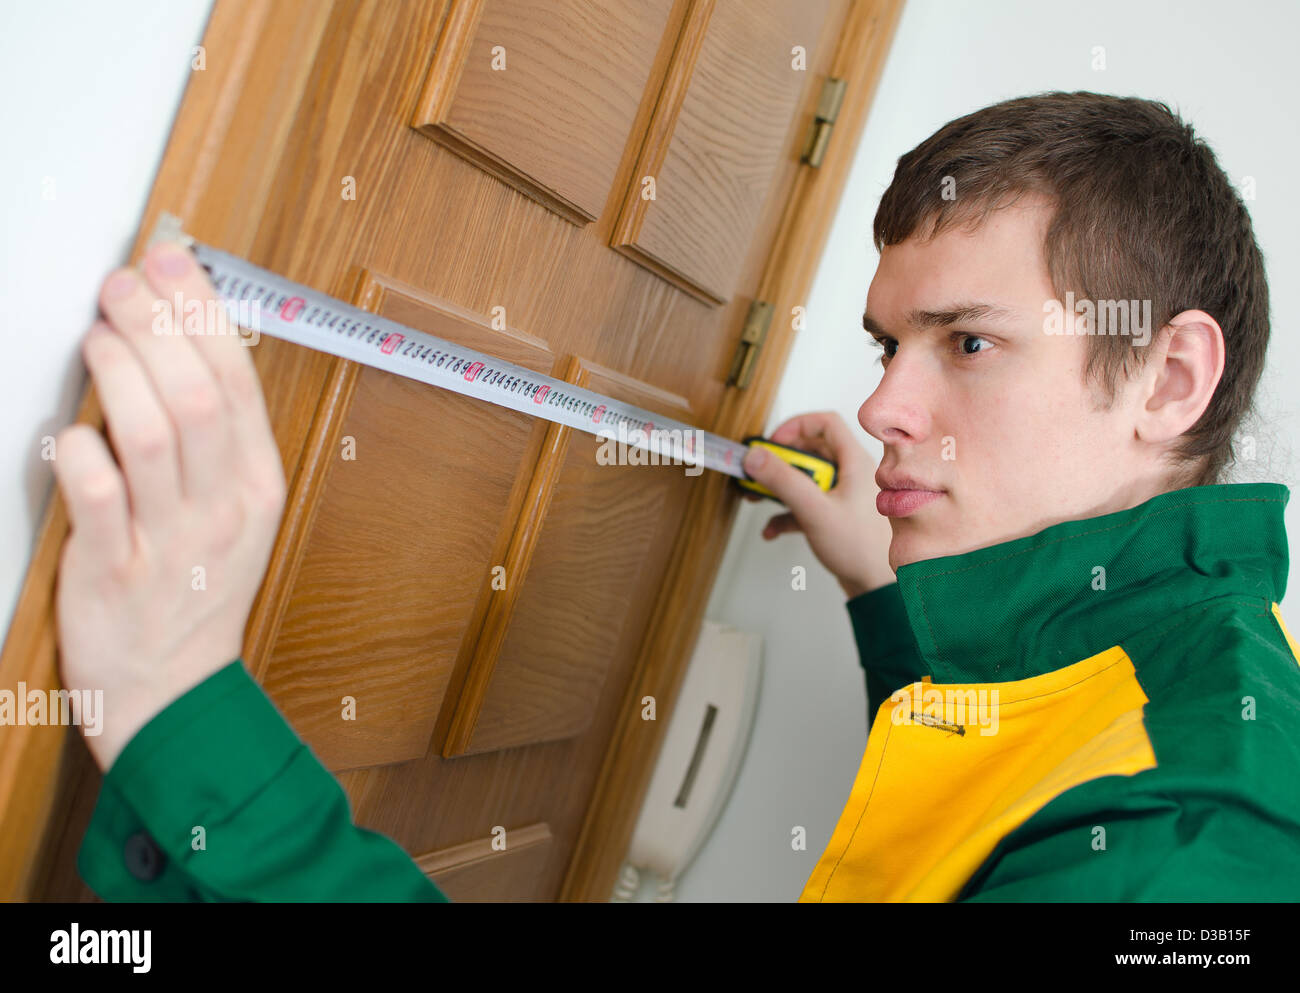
x=1029 y=606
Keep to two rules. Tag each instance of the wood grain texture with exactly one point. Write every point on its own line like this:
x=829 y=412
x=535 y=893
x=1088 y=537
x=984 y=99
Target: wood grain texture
x=589 y=555
x=478 y=871
x=403 y=535
x=732 y=130
x=542 y=93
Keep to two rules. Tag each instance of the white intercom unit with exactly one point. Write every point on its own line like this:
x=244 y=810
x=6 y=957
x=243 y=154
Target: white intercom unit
x=701 y=756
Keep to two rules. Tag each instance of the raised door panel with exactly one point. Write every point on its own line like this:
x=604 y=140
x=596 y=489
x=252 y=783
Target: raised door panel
x=723 y=137
x=542 y=93
x=546 y=653
x=508 y=865
x=417 y=499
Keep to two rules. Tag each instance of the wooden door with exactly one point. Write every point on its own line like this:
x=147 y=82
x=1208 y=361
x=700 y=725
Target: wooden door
x=457 y=612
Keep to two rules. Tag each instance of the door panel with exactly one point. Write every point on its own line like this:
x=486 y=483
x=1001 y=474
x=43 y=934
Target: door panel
x=542 y=93
x=604 y=545
x=723 y=138
x=477 y=871
x=405 y=530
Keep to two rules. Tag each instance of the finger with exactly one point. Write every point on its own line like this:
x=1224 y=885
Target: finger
x=781 y=524
x=171 y=268
x=95 y=495
x=141 y=432
x=792 y=487
x=846 y=447
x=806 y=432
x=826 y=434
x=180 y=378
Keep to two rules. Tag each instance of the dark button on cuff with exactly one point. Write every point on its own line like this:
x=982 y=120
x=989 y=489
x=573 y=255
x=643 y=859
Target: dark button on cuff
x=144 y=859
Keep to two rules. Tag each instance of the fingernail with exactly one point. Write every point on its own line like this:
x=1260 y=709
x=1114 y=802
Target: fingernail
x=121 y=285
x=171 y=260
x=755 y=459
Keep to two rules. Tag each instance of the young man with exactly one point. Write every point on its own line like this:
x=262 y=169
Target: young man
x=1083 y=688
x=1081 y=684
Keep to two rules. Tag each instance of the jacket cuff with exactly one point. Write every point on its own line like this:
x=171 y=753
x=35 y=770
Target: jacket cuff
x=226 y=713
x=139 y=835
x=217 y=798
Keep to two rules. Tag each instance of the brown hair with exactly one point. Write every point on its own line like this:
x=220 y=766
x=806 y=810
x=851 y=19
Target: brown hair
x=1143 y=211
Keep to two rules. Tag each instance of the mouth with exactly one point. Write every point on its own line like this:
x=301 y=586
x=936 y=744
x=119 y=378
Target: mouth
x=902 y=495
x=902 y=502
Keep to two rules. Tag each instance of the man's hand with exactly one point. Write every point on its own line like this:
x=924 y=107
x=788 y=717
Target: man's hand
x=843 y=527
x=169 y=542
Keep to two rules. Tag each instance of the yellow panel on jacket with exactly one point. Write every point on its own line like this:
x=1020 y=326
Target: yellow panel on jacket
x=950 y=769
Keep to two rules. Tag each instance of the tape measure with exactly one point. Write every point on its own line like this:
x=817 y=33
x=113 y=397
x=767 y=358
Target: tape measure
x=263 y=302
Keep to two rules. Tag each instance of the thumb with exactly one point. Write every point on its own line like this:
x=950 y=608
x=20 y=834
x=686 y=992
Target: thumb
x=791 y=486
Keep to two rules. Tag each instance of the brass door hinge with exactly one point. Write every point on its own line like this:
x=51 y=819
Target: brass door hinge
x=751 y=341
x=819 y=134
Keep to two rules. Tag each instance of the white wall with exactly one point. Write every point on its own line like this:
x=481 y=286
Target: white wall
x=90 y=90
x=1232 y=73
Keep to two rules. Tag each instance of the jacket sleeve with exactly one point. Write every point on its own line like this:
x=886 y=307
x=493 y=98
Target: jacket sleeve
x=218 y=799
x=886 y=647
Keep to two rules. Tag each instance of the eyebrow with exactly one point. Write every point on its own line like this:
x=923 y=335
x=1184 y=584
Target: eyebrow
x=960 y=313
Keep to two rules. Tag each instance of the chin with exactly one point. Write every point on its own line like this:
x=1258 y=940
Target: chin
x=903 y=551
x=908 y=549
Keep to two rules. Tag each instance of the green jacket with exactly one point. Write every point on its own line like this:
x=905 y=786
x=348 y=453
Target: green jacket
x=1107 y=710
x=1119 y=707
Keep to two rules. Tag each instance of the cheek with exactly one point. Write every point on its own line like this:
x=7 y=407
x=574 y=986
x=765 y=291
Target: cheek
x=1017 y=444
x=1000 y=432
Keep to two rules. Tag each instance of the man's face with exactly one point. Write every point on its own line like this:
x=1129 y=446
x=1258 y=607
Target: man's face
x=991 y=410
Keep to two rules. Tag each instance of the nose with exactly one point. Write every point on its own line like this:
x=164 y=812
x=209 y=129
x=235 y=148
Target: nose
x=897 y=412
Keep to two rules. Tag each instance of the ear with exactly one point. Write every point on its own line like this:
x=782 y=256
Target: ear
x=1181 y=377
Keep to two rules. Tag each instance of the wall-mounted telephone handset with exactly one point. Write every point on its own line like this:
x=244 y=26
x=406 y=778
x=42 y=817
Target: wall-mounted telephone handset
x=701 y=756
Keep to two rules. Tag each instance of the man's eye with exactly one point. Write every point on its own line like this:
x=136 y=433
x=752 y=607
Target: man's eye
x=966 y=339
x=887 y=347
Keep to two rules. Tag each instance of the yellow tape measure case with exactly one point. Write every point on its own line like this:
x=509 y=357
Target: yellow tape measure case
x=821 y=471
